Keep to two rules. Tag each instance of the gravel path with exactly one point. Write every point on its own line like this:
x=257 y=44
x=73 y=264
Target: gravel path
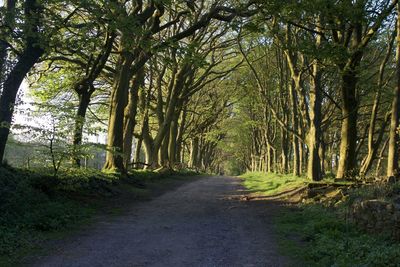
x=198 y=224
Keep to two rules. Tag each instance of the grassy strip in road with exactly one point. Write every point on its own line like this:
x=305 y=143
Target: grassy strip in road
x=35 y=206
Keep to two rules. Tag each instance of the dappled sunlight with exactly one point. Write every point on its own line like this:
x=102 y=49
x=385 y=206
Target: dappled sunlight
x=270 y=184
x=296 y=102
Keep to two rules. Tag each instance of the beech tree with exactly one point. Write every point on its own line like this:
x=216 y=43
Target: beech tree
x=307 y=84
x=133 y=54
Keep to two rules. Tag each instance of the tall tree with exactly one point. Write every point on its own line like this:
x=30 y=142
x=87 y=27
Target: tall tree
x=32 y=50
x=393 y=146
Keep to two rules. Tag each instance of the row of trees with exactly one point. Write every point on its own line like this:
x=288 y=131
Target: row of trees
x=324 y=89
x=161 y=58
x=296 y=86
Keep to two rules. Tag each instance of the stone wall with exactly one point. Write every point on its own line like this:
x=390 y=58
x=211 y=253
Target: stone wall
x=378 y=216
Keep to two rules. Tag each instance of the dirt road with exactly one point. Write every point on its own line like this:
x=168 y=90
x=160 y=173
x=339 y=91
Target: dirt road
x=198 y=224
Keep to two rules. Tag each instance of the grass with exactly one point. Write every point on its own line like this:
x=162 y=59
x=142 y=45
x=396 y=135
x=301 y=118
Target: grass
x=315 y=235
x=35 y=206
x=270 y=183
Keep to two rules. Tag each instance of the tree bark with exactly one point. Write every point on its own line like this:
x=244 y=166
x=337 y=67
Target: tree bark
x=8 y=25
x=148 y=143
x=348 y=144
x=27 y=59
x=284 y=151
x=163 y=157
x=322 y=157
x=172 y=146
x=194 y=152
x=380 y=158
x=373 y=145
x=171 y=109
x=314 y=132
x=373 y=150
x=179 y=139
x=393 y=146
x=130 y=115
x=84 y=100
x=295 y=140
x=138 y=148
x=119 y=96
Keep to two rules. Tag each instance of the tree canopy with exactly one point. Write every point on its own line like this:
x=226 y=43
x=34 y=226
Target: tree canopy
x=302 y=87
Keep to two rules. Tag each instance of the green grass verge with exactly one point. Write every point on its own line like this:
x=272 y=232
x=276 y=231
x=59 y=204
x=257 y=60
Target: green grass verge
x=35 y=206
x=270 y=183
x=315 y=235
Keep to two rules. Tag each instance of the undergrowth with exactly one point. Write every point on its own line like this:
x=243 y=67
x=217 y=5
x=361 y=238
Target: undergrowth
x=34 y=204
x=323 y=237
x=314 y=234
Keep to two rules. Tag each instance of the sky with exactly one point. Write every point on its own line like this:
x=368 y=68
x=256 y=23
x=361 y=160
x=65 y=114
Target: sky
x=22 y=117
x=19 y=117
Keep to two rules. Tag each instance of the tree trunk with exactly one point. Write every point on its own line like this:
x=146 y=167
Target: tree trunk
x=322 y=158
x=393 y=146
x=119 y=96
x=130 y=115
x=194 y=151
x=284 y=151
x=372 y=152
x=84 y=100
x=371 y=131
x=270 y=159
x=138 y=148
x=373 y=146
x=380 y=157
x=172 y=147
x=295 y=140
x=26 y=60
x=170 y=111
x=8 y=23
x=147 y=141
x=163 y=157
x=10 y=90
x=314 y=132
x=348 y=144
x=179 y=139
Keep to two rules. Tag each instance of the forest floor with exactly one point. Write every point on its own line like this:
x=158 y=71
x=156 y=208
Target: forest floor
x=201 y=223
